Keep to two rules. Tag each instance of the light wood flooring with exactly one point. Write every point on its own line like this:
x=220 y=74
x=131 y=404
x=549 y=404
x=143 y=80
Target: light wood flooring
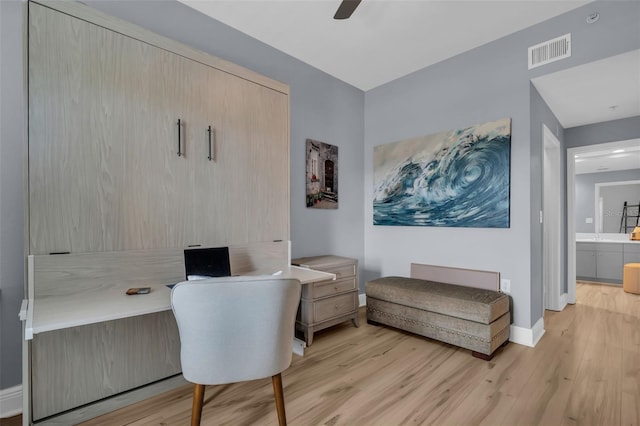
x=585 y=370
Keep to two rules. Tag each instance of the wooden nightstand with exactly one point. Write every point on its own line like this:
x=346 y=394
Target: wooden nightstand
x=327 y=303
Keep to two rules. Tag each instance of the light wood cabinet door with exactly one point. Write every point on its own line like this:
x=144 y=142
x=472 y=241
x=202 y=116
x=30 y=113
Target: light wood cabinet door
x=247 y=185
x=268 y=203
x=163 y=185
x=76 y=125
x=104 y=168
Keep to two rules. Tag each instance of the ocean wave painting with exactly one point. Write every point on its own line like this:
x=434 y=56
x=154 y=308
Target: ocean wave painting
x=458 y=178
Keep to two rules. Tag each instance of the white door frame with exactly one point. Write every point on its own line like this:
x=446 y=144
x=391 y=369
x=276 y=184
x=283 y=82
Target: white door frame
x=571 y=202
x=551 y=224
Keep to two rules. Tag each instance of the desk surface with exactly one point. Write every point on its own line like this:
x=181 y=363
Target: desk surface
x=50 y=313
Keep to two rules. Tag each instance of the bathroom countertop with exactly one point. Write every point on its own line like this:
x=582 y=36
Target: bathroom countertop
x=605 y=240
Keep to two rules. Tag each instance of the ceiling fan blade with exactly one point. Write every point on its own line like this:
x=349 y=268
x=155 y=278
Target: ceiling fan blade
x=346 y=8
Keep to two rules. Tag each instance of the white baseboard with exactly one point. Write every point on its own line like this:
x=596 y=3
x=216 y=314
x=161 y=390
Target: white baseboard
x=562 y=303
x=362 y=300
x=527 y=336
x=11 y=401
x=298 y=346
x=564 y=300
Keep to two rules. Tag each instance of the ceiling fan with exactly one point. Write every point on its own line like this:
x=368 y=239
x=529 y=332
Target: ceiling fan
x=346 y=8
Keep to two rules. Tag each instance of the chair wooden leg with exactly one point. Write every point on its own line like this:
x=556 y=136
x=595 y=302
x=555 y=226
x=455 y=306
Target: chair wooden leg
x=279 y=394
x=198 y=399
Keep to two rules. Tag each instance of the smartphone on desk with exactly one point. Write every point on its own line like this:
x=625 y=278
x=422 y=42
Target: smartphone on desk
x=139 y=290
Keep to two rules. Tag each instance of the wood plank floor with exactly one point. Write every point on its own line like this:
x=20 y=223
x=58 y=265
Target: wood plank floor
x=585 y=370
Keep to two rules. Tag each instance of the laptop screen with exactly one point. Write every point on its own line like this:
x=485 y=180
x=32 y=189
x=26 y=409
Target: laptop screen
x=209 y=262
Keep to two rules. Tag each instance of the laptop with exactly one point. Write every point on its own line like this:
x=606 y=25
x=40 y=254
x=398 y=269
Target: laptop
x=207 y=262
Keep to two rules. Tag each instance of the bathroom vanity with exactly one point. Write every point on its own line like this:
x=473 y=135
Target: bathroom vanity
x=602 y=257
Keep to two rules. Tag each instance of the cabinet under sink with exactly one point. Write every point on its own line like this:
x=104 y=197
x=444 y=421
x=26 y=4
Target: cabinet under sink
x=604 y=261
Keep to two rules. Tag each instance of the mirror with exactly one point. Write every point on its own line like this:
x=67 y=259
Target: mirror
x=604 y=180
x=617 y=206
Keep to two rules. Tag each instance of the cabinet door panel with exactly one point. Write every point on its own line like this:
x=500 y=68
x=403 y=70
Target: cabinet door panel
x=268 y=204
x=103 y=137
x=163 y=181
x=586 y=263
x=75 y=366
x=103 y=165
x=631 y=253
x=72 y=105
x=609 y=265
x=248 y=183
x=217 y=206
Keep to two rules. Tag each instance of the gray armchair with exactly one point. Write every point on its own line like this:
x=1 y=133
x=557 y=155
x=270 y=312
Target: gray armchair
x=235 y=329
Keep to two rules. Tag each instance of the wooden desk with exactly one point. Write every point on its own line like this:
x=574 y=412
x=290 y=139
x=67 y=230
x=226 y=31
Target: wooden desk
x=79 y=319
x=92 y=306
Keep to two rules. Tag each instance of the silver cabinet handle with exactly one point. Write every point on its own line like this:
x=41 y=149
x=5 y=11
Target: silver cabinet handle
x=179 y=138
x=211 y=142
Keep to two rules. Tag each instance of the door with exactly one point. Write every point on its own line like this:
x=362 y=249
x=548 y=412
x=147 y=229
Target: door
x=104 y=168
x=552 y=284
x=328 y=176
x=249 y=180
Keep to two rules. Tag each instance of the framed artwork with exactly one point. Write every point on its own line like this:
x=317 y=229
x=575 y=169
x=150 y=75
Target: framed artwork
x=322 y=175
x=457 y=178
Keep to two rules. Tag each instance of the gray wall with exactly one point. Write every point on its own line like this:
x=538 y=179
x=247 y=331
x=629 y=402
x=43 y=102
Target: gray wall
x=608 y=131
x=484 y=84
x=585 y=197
x=12 y=160
x=322 y=108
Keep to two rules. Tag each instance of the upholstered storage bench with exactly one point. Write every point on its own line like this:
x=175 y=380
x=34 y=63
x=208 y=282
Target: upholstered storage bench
x=473 y=318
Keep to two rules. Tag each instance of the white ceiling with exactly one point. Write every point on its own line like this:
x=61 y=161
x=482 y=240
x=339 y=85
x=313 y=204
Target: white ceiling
x=384 y=39
x=610 y=159
x=585 y=94
x=388 y=39
x=603 y=90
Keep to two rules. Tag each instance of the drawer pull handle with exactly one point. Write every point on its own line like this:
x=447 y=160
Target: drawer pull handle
x=179 y=138
x=210 y=130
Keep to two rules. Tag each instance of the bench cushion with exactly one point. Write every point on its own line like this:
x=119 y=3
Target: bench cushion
x=473 y=304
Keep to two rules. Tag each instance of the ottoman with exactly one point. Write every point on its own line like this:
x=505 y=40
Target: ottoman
x=631 y=278
x=471 y=318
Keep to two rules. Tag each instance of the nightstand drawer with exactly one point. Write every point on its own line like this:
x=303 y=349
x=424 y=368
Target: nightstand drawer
x=341 y=271
x=327 y=303
x=334 y=306
x=344 y=271
x=327 y=288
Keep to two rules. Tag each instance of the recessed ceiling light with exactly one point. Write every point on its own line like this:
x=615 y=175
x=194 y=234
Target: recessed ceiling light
x=593 y=17
x=618 y=151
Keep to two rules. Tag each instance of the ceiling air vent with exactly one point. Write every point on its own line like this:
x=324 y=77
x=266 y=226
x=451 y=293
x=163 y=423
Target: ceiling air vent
x=550 y=51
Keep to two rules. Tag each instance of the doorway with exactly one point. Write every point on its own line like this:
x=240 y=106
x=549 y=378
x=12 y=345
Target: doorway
x=553 y=297
x=328 y=176
x=571 y=203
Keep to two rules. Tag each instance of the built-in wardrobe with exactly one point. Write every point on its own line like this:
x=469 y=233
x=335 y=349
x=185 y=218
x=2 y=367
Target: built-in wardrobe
x=138 y=147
